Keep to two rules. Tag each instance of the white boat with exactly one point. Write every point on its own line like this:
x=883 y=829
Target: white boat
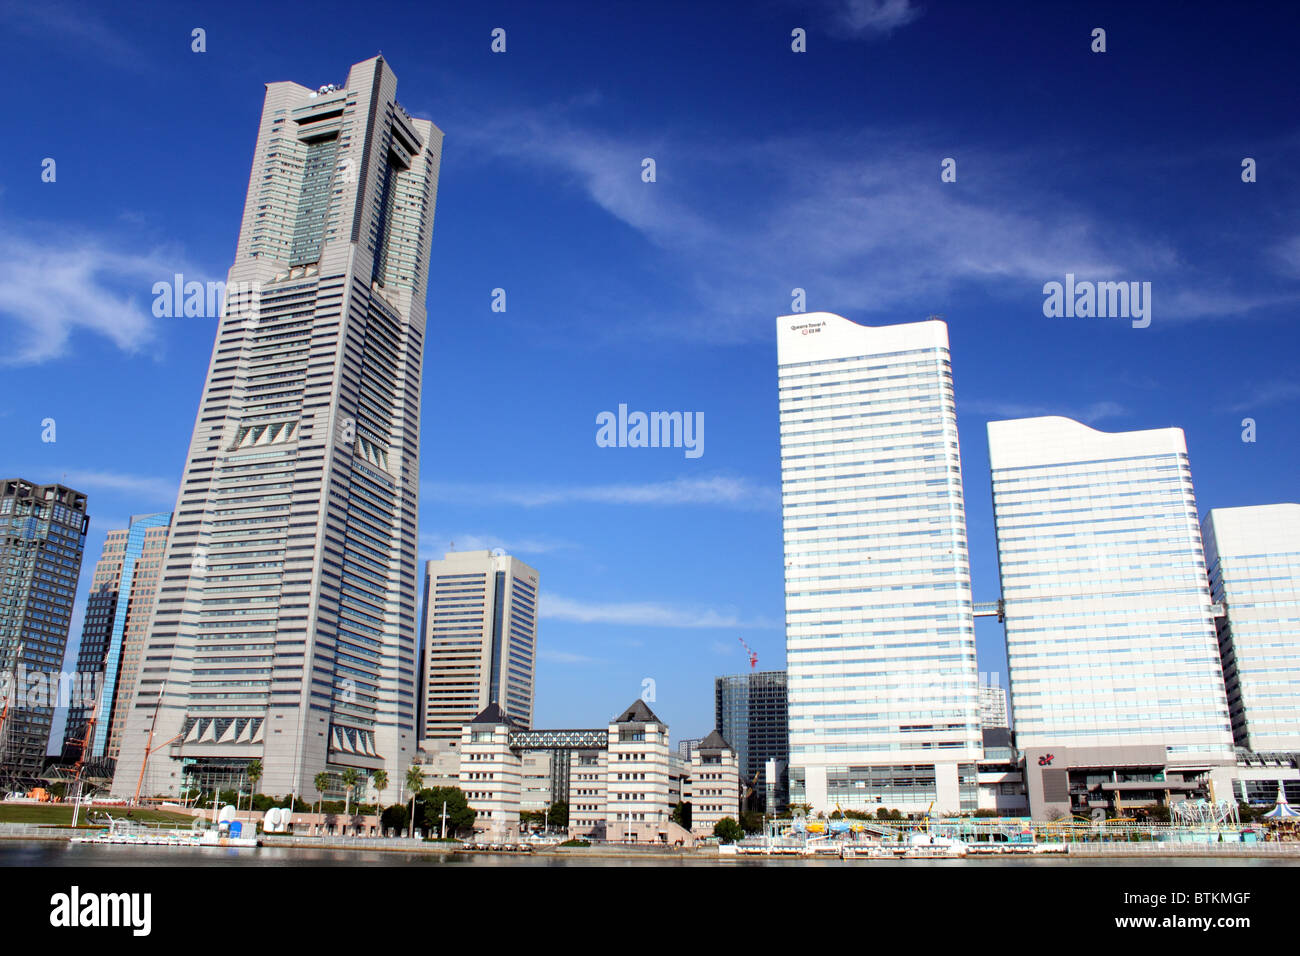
x=126 y=832
x=927 y=846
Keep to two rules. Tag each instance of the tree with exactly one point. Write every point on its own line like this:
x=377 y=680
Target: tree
x=460 y=815
x=351 y=777
x=380 y=780
x=751 y=821
x=321 y=783
x=254 y=775
x=414 y=783
x=728 y=830
x=394 y=818
x=558 y=815
x=681 y=815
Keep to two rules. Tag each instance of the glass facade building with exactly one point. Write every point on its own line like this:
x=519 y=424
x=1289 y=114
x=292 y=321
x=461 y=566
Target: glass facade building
x=880 y=635
x=752 y=715
x=1109 y=622
x=285 y=625
x=42 y=539
x=1253 y=557
x=120 y=600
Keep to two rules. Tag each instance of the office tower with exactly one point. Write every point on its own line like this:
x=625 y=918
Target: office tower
x=880 y=633
x=118 y=607
x=752 y=713
x=993 y=707
x=96 y=627
x=42 y=537
x=1109 y=627
x=480 y=641
x=1253 y=556
x=687 y=746
x=284 y=630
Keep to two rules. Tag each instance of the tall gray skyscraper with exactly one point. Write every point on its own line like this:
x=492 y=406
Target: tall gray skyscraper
x=42 y=537
x=480 y=641
x=284 y=629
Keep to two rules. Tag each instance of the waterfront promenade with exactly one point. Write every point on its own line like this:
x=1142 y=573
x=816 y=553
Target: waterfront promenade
x=400 y=850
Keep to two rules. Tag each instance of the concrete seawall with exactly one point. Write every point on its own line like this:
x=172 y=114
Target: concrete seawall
x=1233 y=850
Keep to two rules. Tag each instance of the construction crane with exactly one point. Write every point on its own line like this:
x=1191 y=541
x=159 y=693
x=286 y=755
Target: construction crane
x=79 y=767
x=149 y=747
x=748 y=787
x=749 y=652
x=4 y=740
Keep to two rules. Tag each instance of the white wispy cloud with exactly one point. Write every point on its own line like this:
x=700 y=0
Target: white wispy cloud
x=861 y=221
x=715 y=490
x=1173 y=300
x=53 y=286
x=642 y=614
x=146 y=490
x=566 y=657
x=1266 y=394
x=871 y=17
x=1286 y=256
x=468 y=541
x=1097 y=411
x=79 y=26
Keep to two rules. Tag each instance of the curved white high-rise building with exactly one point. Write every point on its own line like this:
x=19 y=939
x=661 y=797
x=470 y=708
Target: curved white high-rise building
x=1109 y=621
x=1253 y=556
x=880 y=634
x=284 y=628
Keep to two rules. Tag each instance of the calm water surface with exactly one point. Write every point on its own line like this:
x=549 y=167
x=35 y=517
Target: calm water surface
x=46 y=853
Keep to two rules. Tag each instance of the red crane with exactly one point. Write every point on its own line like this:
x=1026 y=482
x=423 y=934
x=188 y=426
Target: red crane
x=749 y=652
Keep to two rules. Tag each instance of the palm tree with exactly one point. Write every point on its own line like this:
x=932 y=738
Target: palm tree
x=414 y=783
x=254 y=774
x=351 y=777
x=322 y=783
x=380 y=779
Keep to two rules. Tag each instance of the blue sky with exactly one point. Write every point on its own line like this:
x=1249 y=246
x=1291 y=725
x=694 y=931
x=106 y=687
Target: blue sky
x=775 y=170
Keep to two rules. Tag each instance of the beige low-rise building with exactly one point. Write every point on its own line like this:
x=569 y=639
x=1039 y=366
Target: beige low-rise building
x=625 y=792
x=587 y=795
x=535 y=780
x=638 y=797
x=490 y=772
x=713 y=787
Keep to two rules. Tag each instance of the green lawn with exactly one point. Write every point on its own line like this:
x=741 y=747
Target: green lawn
x=60 y=814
